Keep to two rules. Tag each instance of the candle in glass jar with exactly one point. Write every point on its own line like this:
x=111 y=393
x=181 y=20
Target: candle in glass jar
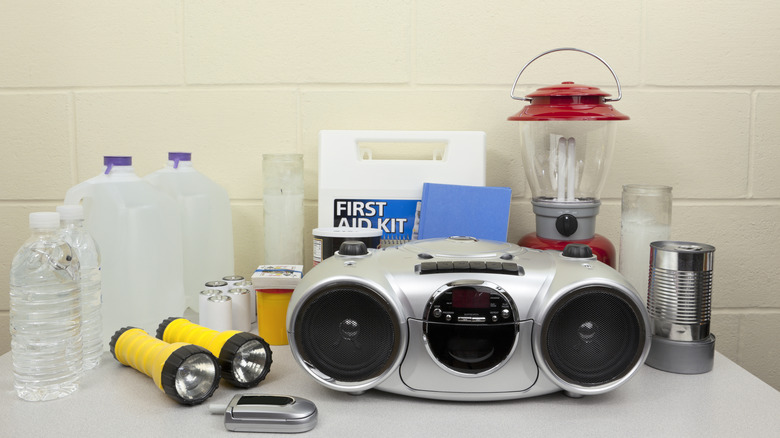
x=283 y=208
x=646 y=216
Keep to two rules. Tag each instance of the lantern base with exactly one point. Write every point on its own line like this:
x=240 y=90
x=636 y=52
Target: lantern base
x=573 y=221
x=601 y=246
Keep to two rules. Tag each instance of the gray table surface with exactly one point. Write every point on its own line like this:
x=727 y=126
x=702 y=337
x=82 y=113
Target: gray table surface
x=118 y=401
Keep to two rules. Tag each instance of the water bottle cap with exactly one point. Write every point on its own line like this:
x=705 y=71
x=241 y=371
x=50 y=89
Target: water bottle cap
x=111 y=161
x=179 y=156
x=71 y=212
x=44 y=219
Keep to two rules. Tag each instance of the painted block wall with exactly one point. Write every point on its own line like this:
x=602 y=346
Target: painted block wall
x=230 y=81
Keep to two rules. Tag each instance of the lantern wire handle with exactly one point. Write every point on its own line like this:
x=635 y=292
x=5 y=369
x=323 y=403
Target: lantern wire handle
x=617 y=81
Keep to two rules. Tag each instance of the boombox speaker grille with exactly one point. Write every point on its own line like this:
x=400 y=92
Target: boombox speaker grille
x=348 y=333
x=593 y=336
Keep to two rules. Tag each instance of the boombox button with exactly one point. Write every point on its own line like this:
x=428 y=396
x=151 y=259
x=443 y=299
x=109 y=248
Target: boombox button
x=477 y=265
x=460 y=266
x=494 y=266
x=444 y=266
x=512 y=268
x=428 y=267
x=437 y=313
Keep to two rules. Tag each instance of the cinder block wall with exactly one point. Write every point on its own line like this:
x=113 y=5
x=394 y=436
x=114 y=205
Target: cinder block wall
x=230 y=81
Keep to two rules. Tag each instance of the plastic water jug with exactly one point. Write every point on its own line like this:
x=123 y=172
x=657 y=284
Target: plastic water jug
x=137 y=229
x=206 y=223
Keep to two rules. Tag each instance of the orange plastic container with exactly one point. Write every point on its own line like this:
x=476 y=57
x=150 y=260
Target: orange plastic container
x=274 y=284
x=272 y=314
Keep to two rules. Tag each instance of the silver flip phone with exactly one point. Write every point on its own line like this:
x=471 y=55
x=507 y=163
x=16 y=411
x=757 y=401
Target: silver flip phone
x=270 y=413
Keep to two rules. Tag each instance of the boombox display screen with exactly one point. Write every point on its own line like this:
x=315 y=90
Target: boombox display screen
x=467 y=319
x=470 y=298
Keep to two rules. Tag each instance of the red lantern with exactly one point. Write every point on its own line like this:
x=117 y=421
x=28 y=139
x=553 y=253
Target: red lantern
x=567 y=136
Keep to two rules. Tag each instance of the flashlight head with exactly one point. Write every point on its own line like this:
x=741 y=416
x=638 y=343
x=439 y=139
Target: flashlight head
x=190 y=375
x=246 y=360
x=187 y=373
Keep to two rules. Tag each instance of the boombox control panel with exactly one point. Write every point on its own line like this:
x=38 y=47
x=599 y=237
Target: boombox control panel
x=467 y=319
x=470 y=304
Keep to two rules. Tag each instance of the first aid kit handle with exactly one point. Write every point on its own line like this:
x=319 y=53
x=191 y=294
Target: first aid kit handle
x=344 y=146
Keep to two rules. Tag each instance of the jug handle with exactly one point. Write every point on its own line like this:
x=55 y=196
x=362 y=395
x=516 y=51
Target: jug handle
x=75 y=194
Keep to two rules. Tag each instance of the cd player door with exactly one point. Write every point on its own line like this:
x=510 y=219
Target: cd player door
x=423 y=369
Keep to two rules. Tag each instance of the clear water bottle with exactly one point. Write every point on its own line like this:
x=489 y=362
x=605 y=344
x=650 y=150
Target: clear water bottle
x=45 y=313
x=74 y=233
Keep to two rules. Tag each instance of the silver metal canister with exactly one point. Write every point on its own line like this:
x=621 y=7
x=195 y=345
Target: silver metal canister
x=679 y=302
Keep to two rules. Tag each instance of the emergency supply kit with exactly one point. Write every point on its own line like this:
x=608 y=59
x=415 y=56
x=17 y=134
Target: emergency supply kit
x=414 y=288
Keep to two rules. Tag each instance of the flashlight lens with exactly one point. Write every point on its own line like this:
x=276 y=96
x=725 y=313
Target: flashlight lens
x=195 y=377
x=250 y=360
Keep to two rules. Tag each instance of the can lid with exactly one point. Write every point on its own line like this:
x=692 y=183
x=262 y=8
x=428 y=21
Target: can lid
x=681 y=256
x=216 y=283
x=71 y=212
x=44 y=219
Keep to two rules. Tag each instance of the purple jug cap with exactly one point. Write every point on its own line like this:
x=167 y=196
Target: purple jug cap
x=111 y=161
x=179 y=156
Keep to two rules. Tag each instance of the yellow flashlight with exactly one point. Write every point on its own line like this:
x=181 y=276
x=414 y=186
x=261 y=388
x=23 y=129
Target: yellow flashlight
x=187 y=373
x=245 y=358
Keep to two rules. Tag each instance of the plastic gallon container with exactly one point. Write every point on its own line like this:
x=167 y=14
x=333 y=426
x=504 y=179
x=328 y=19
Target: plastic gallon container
x=137 y=229
x=206 y=223
x=76 y=235
x=45 y=313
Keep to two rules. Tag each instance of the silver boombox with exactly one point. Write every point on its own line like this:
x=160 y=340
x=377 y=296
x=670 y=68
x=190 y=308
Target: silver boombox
x=467 y=319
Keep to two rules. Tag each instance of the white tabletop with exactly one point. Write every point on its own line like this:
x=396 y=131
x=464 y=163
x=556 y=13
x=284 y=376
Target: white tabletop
x=118 y=401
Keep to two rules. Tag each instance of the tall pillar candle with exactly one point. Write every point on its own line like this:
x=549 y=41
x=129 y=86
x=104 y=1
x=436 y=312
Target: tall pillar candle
x=646 y=216
x=283 y=208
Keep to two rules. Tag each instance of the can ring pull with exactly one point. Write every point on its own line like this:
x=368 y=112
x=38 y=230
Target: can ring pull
x=617 y=81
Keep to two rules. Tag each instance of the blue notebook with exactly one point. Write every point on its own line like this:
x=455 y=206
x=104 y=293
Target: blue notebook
x=453 y=210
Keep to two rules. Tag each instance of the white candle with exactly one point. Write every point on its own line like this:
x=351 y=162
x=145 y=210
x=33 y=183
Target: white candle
x=646 y=216
x=283 y=208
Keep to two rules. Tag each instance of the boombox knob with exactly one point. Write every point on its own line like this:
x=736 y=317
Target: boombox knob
x=353 y=248
x=578 y=251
